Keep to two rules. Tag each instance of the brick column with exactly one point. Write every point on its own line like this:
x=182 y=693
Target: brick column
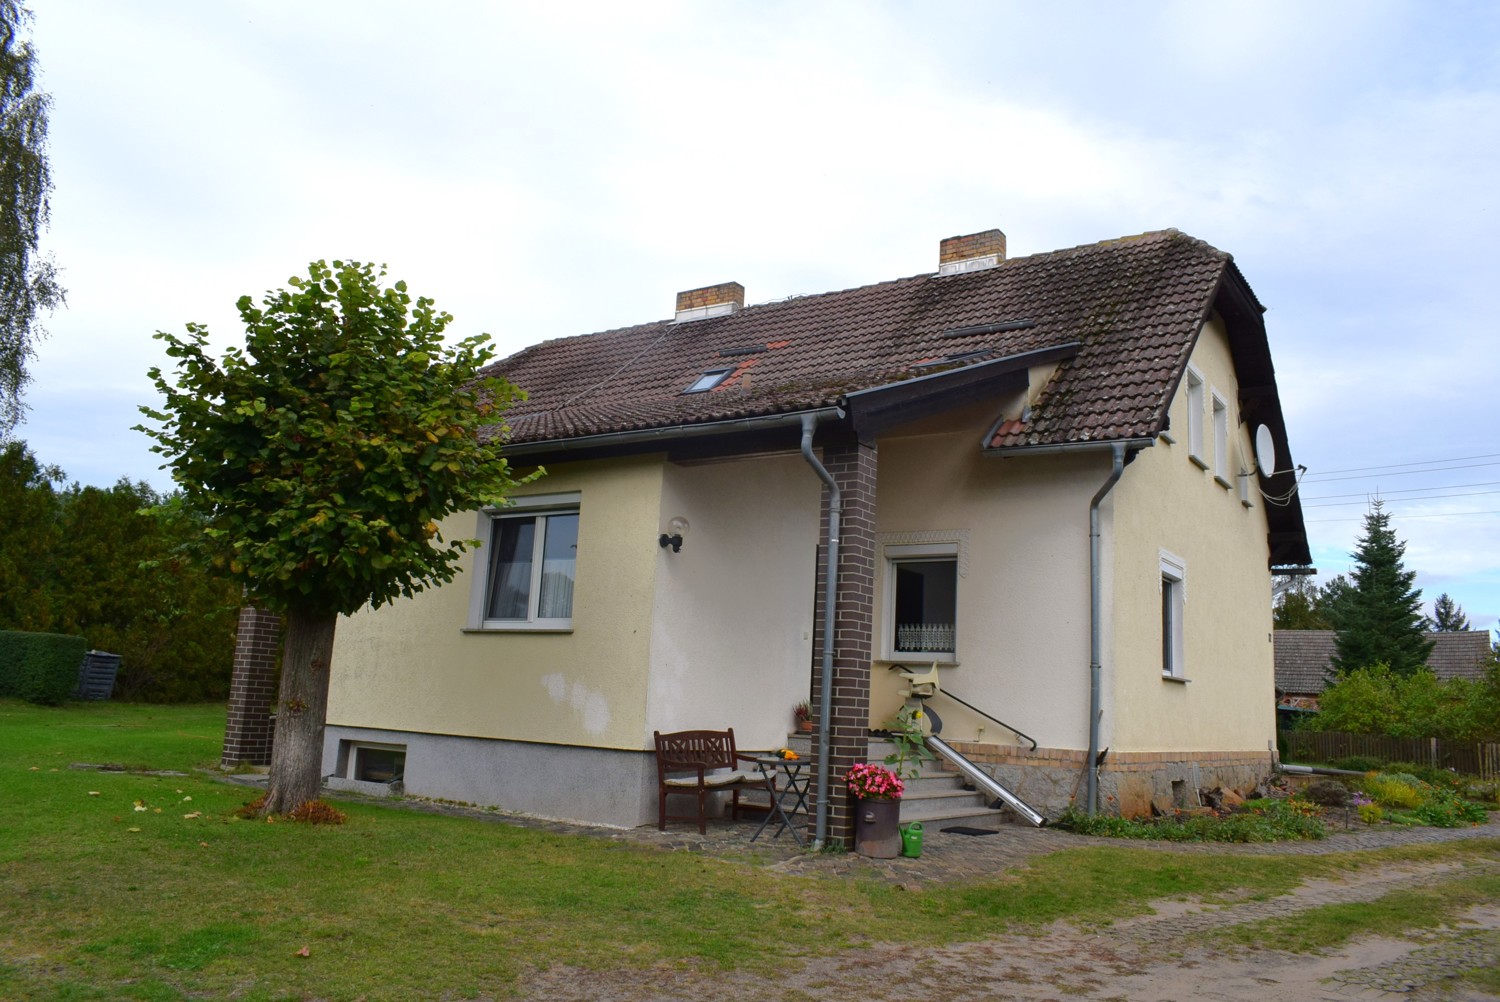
x=853 y=469
x=252 y=689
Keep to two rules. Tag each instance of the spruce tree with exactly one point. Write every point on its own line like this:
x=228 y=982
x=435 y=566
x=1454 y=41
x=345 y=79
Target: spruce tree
x=1380 y=619
x=1448 y=616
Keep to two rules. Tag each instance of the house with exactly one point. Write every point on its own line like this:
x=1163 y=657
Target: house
x=1304 y=662
x=1054 y=479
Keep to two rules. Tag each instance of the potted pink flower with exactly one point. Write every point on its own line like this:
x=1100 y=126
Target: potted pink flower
x=877 y=809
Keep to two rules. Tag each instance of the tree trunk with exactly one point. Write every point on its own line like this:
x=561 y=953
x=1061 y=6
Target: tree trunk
x=301 y=710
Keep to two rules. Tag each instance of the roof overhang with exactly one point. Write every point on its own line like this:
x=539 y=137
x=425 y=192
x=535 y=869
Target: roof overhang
x=748 y=432
x=880 y=408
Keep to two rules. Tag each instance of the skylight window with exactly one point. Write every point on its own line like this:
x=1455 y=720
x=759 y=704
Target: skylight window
x=707 y=381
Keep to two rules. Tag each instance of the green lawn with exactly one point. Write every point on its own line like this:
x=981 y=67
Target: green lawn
x=103 y=900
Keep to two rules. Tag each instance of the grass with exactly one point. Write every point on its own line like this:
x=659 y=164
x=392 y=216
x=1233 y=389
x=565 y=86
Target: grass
x=182 y=899
x=1395 y=914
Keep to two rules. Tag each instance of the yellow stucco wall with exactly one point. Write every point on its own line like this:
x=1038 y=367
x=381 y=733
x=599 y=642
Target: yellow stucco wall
x=1164 y=501
x=411 y=666
x=1022 y=630
x=731 y=642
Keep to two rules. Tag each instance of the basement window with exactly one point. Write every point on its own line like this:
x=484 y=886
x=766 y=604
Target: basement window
x=378 y=763
x=707 y=381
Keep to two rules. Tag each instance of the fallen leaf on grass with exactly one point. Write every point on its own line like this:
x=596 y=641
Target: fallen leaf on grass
x=36 y=768
x=203 y=844
x=304 y=952
x=132 y=829
x=140 y=807
x=195 y=814
x=185 y=799
x=93 y=793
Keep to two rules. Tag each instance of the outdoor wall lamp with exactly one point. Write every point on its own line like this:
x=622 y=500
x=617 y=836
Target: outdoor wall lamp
x=676 y=529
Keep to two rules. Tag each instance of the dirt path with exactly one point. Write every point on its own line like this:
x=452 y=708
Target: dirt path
x=1165 y=956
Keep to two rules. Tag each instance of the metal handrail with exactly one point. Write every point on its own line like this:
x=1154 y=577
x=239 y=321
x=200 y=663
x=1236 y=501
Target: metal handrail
x=1019 y=733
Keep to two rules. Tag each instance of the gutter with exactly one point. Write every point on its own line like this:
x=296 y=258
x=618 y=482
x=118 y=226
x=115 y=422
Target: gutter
x=1090 y=762
x=669 y=433
x=810 y=422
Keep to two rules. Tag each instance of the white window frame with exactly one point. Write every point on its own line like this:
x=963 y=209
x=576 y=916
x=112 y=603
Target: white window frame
x=894 y=555
x=1221 y=438
x=1172 y=580
x=1194 y=400
x=536 y=506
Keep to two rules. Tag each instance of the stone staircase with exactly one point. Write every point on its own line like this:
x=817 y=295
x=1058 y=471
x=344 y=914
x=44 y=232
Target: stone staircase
x=936 y=798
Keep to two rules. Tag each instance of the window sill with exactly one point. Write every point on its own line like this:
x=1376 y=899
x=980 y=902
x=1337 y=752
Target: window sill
x=920 y=658
x=1222 y=482
x=517 y=628
x=1247 y=504
x=1197 y=461
x=1175 y=678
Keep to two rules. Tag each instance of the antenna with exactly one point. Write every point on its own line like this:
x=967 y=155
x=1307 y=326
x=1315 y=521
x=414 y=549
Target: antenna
x=1265 y=451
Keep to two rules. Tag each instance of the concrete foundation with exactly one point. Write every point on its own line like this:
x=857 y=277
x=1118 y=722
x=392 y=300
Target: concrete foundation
x=593 y=785
x=1130 y=784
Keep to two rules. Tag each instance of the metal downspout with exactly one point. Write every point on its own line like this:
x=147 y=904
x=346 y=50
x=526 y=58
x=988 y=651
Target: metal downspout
x=1095 y=627
x=830 y=588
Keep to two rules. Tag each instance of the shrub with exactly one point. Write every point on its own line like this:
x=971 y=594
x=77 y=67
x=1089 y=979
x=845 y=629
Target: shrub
x=1358 y=763
x=1268 y=820
x=1370 y=813
x=1328 y=793
x=40 y=667
x=1389 y=791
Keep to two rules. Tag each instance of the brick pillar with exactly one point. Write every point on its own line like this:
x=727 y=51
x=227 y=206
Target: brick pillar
x=853 y=469
x=252 y=690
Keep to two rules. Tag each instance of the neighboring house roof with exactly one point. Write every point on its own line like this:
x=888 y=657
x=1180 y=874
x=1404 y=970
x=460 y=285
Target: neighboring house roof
x=1303 y=657
x=1122 y=316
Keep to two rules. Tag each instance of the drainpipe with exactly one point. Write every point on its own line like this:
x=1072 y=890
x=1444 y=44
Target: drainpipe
x=1096 y=626
x=830 y=588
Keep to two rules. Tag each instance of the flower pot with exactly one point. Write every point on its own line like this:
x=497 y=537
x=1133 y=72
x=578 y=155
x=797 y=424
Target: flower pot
x=805 y=726
x=877 y=827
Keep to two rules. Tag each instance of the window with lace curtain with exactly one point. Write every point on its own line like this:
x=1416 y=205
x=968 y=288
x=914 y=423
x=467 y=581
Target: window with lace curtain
x=922 y=601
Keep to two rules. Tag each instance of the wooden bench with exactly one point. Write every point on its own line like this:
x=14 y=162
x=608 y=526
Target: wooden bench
x=698 y=763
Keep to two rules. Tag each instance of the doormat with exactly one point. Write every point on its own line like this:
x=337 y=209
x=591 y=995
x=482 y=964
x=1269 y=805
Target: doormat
x=965 y=830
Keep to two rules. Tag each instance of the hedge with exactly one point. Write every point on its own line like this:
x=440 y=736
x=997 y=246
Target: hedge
x=40 y=667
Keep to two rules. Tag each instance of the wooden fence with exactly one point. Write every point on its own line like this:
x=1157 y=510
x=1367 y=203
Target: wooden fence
x=1319 y=747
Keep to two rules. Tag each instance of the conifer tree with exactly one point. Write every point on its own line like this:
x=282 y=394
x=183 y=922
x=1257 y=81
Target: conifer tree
x=1380 y=620
x=1448 y=616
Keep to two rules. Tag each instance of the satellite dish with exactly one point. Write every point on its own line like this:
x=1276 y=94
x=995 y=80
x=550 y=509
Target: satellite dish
x=1265 y=451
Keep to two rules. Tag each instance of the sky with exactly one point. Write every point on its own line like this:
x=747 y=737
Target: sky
x=545 y=170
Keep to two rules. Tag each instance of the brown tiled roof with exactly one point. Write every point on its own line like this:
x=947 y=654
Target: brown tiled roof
x=1133 y=305
x=1459 y=654
x=1303 y=656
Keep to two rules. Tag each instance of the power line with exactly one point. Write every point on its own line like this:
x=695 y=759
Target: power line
x=1418 y=462
x=1431 y=497
x=1409 y=490
x=1400 y=473
x=1436 y=514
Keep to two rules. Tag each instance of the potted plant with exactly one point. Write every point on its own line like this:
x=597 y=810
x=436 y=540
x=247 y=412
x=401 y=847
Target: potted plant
x=877 y=809
x=803 y=714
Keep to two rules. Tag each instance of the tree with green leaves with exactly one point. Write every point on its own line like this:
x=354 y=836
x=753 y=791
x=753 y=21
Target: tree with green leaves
x=28 y=530
x=1303 y=605
x=1379 y=620
x=1448 y=616
x=320 y=458
x=28 y=280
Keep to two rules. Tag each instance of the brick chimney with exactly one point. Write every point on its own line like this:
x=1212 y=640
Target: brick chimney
x=975 y=252
x=710 y=301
